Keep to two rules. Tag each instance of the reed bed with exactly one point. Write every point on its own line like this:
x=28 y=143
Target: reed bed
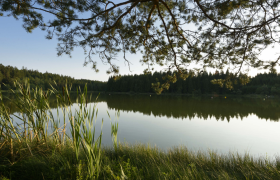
x=34 y=145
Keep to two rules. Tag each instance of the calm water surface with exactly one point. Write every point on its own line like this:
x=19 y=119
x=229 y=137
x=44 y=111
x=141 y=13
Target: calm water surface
x=232 y=124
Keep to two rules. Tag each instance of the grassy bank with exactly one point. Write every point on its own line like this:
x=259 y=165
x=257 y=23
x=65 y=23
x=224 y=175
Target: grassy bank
x=130 y=162
x=34 y=145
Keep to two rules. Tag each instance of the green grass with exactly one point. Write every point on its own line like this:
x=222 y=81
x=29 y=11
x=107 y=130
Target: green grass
x=130 y=162
x=39 y=148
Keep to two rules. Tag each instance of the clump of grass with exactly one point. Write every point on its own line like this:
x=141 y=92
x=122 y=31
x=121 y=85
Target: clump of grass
x=34 y=145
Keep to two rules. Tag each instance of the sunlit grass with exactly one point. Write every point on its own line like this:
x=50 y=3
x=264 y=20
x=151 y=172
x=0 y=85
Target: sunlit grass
x=36 y=146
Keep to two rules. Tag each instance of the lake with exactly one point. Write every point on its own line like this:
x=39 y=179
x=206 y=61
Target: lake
x=221 y=124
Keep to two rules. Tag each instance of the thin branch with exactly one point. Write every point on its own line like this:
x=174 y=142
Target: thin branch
x=74 y=19
x=244 y=54
x=116 y=22
x=149 y=17
x=168 y=38
x=174 y=21
x=242 y=28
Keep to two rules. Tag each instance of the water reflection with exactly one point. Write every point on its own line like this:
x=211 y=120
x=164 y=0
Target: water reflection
x=156 y=120
x=187 y=107
x=183 y=107
x=8 y=99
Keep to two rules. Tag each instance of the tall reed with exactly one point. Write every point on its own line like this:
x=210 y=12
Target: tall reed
x=36 y=122
x=114 y=129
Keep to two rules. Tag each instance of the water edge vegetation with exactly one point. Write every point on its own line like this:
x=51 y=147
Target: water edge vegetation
x=40 y=148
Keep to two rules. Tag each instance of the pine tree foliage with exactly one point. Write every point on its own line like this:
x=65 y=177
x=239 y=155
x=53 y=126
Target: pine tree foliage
x=174 y=33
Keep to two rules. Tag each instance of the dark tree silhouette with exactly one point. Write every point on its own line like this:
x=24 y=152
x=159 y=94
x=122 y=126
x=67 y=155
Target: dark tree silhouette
x=175 y=33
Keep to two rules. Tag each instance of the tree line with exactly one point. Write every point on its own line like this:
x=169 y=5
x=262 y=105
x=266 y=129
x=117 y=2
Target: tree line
x=198 y=83
x=9 y=74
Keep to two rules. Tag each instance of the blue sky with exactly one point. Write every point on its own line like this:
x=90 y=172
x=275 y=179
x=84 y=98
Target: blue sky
x=33 y=51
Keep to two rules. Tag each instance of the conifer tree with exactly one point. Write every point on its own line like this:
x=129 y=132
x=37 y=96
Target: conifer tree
x=174 y=33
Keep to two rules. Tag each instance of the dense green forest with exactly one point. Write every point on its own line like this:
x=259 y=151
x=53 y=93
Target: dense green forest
x=9 y=74
x=267 y=84
x=200 y=83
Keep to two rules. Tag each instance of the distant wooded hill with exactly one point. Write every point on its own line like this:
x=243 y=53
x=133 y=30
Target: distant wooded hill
x=9 y=74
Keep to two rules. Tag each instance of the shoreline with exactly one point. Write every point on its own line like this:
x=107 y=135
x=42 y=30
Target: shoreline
x=171 y=94
x=197 y=95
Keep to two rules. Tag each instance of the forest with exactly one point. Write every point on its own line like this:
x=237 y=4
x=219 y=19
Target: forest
x=198 y=83
x=9 y=74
